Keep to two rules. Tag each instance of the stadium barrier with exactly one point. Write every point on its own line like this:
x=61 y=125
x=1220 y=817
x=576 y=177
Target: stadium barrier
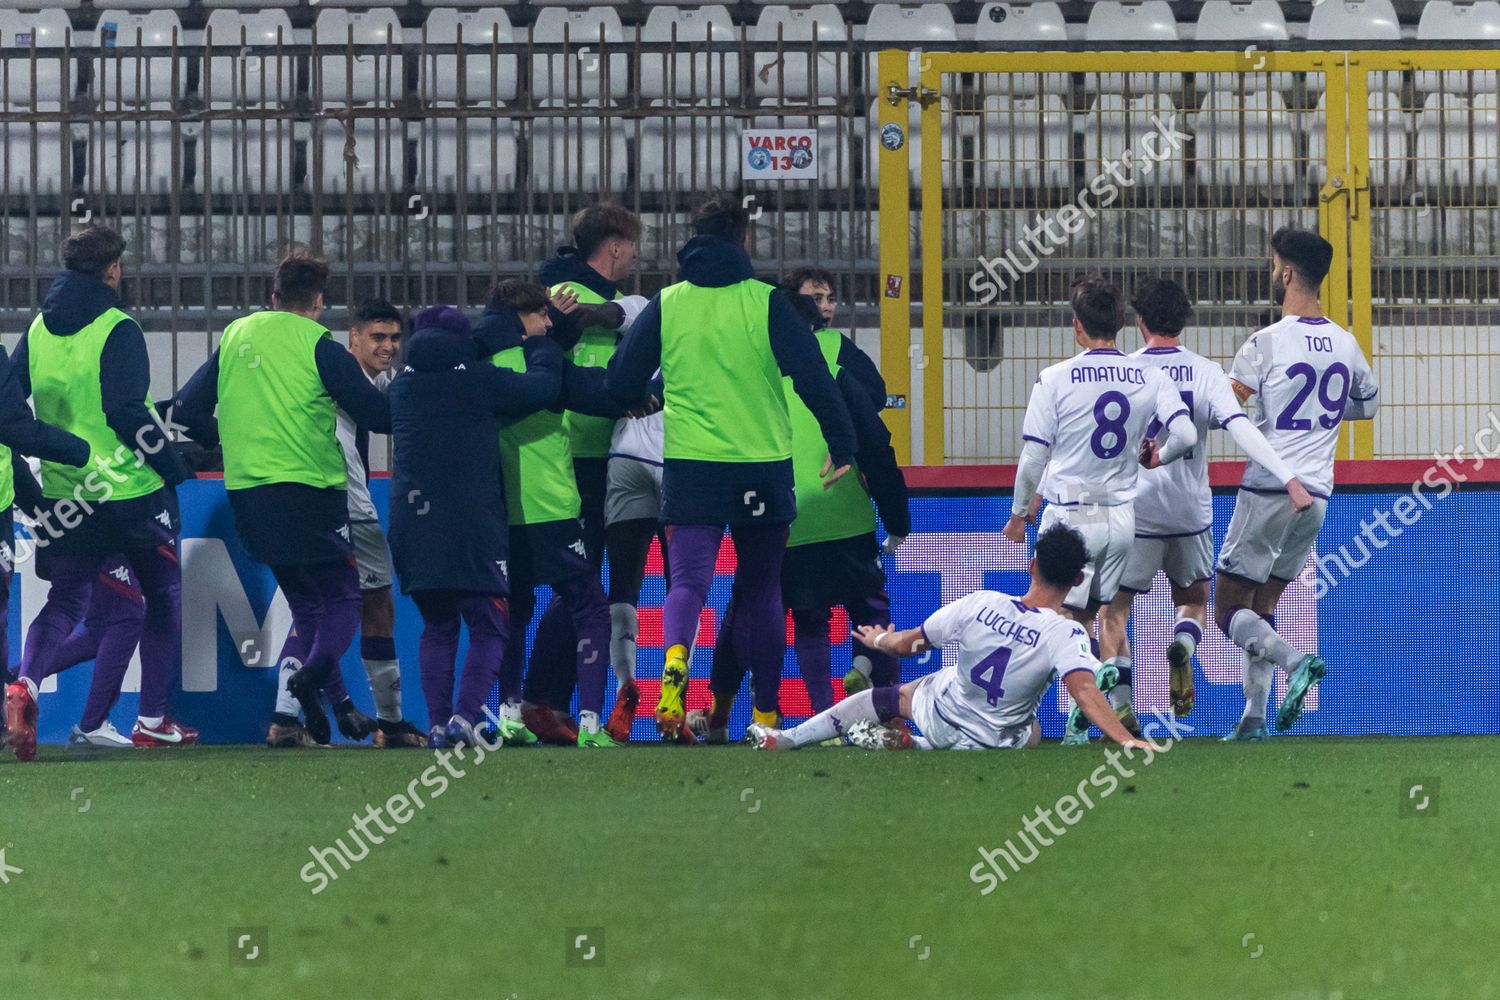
x=1352 y=603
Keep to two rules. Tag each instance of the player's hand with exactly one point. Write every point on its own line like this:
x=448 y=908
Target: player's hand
x=1015 y=529
x=653 y=405
x=1150 y=454
x=830 y=474
x=1137 y=744
x=869 y=634
x=565 y=301
x=891 y=544
x=1036 y=507
x=1301 y=499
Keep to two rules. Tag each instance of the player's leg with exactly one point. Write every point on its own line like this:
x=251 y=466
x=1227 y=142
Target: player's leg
x=814 y=654
x=869 y=710
x=583 y=599
x=1114 y=634
x=1188 y=562
x=116 y=616
x=760 y=633
x=72 y=578
x=628 y=543
x=711 y=725
x=487 y=617
x=694 y=549
x=867 y=603
x=552 y=669
x=329 y=592
x=1235 y=592
x=286 y=729
x=437 y=657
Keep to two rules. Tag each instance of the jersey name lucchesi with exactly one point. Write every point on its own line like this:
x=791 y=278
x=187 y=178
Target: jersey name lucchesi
x=1008 y=656
x=1092 y=411
x=1304 y=370
x=1175 y=499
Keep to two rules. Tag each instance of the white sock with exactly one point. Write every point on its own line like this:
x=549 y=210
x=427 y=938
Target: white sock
x=624 y=625
x=1257 y=682
x=285 y=703
x=863 y=665
x=150 y=721
x=30 y=686
x=835 y=721
x=588 y=722
x=385 y=685
x=1119 y=696
x=1254 y=635
x=1187 y=636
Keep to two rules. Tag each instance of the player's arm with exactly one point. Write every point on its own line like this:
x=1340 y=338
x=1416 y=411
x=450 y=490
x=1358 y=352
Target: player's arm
x=636 y=359
x=584 y=391
x=1038 y=431
x=1182 y=435
x=877 y=462
x=23 y=433
x=885 y=639
x=124 y=381
x=1227 y=414
x=193 y=406
x=347 y=383
x=1084 y=690
x=855 y=362
x=519 y=394
x=797 y=355
x=1363 y=391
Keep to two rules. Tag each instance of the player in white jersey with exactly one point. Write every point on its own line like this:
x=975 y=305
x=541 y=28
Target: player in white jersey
x=374 y=339
x=1173 y=505
x=1010 y=650
x=1309 y=376
x=1085 y=428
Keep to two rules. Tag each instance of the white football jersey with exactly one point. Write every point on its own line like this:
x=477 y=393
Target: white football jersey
x=1305 y=370
x=1008 y=656
x=1175 y=499
x=361 y=507
x=1092 y=411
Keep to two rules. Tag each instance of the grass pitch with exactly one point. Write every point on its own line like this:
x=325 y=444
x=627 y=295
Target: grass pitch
x=1297 y=869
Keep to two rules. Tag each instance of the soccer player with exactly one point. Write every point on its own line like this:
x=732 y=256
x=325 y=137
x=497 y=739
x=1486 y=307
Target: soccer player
x=84 y=363
x=448 y=523
x=832 y=556
x=1085 y=427
x=375 y=334
x=278 y=379
x=1174 y=505
x=818 y=285
x=546 y=541
x=1010 y=649
x=723 y=342
x=1309 y=376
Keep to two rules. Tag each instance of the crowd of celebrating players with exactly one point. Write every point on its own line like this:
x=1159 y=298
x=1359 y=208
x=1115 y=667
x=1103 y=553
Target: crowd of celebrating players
x=569 y=425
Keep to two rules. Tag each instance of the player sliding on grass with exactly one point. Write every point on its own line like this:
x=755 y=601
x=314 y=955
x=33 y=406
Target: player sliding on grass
x=1009 y=651
x=1310 y=376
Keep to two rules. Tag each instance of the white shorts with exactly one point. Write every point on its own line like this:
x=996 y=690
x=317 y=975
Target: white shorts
x=938 y=734
x=1186 y=559
x=372 y=557
x=1109 y=533
x=632 y=490
x=1268 y=538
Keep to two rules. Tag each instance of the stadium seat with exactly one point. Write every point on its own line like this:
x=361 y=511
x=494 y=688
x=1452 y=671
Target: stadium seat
x=1245 y=23
x=929 y=26
x=583 y=154
x=46 y=29
x=1443 y=20
x=380 y=157
x=1038 y=23
x=579 y=74
x=489 y=163
x=468 y=3
x=121 y=79
x=1247 y=144
x=50 y=4
x=835 y=149
x=376 y=75
x=150 y=4
x=246 y=157
x=488 y=75
x=1390 y=126
x=1354 y=20
x=689 y=72
x=1115 y=124
x=1456 y=145
x=253 y=75
x=127 y=158
x=1023 y=142
x=251 y=5
x=1112 y=21
x=21 y=173
x=689 y=152
x=798 y=76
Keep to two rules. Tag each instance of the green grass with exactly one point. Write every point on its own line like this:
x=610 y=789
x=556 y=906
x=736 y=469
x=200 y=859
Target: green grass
x=817 y=893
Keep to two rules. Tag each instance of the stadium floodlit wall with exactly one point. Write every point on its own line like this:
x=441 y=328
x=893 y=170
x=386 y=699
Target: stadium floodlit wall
x=1394 y=614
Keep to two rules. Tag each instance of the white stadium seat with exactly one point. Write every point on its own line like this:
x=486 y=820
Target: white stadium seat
x=689 y=153
x=467 y=3
x=128 y=158
x=1353 y=20
x=929 y=26
x=247 y=157
x=1111 y=21
x=1390 y=128
x=51 y=4
x=380 y=157
x=1244 y=23
x=121 y=79
x=490 y=158
x=487 y=75
x=1115 y=124
x=1456 y=144
x=797 y=76
x=250 y=5
x=689 y=72
x=1443 y=20
x=47 y=30
x=579 y=75
x=583 y=153
x=1249 y=144
x=1023 y=142
x=252 y=74
x=150 y=4
x=376 y=75
x=1038 y=24
x=23 y=173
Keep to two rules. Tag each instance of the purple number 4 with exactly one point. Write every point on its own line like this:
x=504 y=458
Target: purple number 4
x=989 y=672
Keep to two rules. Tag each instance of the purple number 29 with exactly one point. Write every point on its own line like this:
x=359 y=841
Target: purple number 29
x=989 y=672
x=1331 y=400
